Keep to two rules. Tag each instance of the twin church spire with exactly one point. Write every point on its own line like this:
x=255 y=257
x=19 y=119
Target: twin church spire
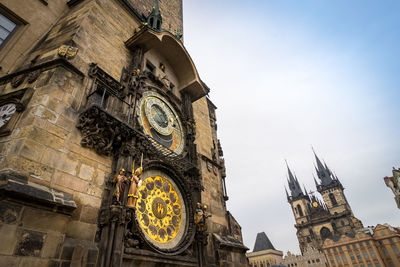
x=326 y=179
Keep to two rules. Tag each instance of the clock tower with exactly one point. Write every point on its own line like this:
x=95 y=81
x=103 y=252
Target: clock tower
x=109 y=153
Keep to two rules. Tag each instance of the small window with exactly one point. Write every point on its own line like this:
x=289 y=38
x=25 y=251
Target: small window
x=351 y=256
x=396 y=250
x=149 y=66
x=385 y=252
x=7 y=28
x=372 y=253
x=365 y=254
x=333 y=199
x=162 y=67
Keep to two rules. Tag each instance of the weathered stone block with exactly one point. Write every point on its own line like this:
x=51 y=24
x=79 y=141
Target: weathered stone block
x=9 y=261
x=89 y=214
x=44 y=220
x=86 y=172
x=57 y=131
x=30 y=243
x=81 y=230
x=70 y=181
x=65 y=123
x=52 y=245
x=29 y=167
x=34 y=262
x=46 y=138
x=59 y=161
x=9 y=212
x=45 y=113
x=86 y=199
x=9 y=237
x=32 y=150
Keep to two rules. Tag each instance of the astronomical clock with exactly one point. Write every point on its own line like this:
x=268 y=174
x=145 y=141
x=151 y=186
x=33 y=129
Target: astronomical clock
x=161 y=123
x=162 y=212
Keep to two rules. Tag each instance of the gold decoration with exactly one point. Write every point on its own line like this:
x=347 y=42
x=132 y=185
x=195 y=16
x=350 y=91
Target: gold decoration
x=159 y=209
x=315 y=204
x=68 y=52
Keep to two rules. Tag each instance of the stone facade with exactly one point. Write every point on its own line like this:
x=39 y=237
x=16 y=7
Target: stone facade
x=310 y=258
x=371 y=246
x=75 y=76
x=318 y=219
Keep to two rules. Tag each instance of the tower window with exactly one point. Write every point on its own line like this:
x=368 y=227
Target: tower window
x=149 y=66
x=333 y=199
x=152 y=22
x=7 y=28
x=300 y=210
x=325 y=233
x=159 y=25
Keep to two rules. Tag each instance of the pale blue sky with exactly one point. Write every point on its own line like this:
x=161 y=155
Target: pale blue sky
x=286 y=75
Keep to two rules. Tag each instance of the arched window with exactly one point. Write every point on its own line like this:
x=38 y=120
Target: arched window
x=325 y=232
x=308 y=239
x=343 y=223
x=300 y=210
x=159 y=25
x=333 y=199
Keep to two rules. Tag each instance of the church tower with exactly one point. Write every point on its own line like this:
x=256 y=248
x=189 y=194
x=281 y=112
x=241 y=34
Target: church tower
x=298 y=200
x=318 y=219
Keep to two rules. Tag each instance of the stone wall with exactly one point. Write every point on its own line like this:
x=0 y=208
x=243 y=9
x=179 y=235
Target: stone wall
x=35 y=20
x=171 y=12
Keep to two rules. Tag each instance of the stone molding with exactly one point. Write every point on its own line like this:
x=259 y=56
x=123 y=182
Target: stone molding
x=17 y=186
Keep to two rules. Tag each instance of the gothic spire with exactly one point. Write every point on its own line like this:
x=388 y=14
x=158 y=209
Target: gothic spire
x=294 y=185
x=323 y=172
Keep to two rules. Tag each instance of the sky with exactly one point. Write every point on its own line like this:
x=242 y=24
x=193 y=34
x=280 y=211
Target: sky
x=288 y=75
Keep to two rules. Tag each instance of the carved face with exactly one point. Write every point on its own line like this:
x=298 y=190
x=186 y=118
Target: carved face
x=161 y=123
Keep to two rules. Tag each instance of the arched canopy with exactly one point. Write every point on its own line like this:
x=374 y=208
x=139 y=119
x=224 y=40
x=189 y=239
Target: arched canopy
x=175 y=53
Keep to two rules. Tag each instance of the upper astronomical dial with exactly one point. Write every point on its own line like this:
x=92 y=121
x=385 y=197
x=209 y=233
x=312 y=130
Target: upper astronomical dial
x=161 y=123
x=159 y=115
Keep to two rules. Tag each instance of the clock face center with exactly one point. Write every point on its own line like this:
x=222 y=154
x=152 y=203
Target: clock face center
x=159 y=208
x=159 y=116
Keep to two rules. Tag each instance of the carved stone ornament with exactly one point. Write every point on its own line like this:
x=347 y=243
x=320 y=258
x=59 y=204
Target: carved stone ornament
x=102 y=132
x=68 y=52
x=18 y=80
x=32 y=76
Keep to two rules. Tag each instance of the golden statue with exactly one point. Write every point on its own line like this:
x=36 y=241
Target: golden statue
x=133 y=188
x=120 y=183
x=200 y=217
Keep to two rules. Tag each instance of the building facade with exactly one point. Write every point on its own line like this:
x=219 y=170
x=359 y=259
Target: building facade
x=264 y=254
x=108 y=142
x=317 y=219
x=374 y=246
x=393 y=183
x=311 y=258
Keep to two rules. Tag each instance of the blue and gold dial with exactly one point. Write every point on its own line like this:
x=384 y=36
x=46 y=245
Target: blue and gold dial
x=160 y=122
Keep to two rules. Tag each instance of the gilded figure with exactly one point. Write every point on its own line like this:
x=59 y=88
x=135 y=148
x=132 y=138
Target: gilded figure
x=133 y=188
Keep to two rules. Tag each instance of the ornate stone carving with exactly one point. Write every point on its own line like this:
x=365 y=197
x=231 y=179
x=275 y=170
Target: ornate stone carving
x=68 y=52
x=18 y=80
x=102 y=132
x=105 y=80
x=32 y=76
